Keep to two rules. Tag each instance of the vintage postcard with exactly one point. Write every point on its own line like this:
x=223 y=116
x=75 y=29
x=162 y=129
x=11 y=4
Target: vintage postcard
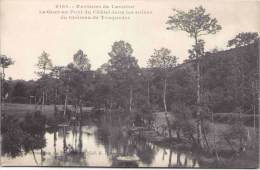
x=130 y=83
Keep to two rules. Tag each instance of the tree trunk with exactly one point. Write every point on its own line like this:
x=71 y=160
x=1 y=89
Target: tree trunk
x=110 y=110
x=214 y=136
x=80 y=137
x=164 y=95
x=186 y=161
x=1 y=86
x=198 y=93
x=55 y=102
x=64 y=140
x=130 y=98
x=148 y=92
x=46 y=97
x=3 y=73
x=170 y=158
x=179 y=164
x=258 y=92
x=194 y=162
x=80 y=109
x=41 y=157
x=3 y=82
x=204 y=135
x=198 y=106
x=178 y=133
x=42 y=109
x=3 y=89
x=65 y=104
x=254 y=118
x=240 y=136
x=34 y=157
x=165 y=108
x=54 y=144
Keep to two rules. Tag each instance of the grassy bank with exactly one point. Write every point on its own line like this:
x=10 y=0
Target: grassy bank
x=229 y=153
x=20 y=110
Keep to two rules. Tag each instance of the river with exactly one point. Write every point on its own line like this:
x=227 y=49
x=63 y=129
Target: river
x=91 y=146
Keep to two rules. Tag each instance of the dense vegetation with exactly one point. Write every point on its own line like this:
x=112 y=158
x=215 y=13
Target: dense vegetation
x=228 y=80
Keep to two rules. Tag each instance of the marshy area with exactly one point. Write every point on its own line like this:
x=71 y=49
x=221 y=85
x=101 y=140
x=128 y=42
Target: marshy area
x=102 y=138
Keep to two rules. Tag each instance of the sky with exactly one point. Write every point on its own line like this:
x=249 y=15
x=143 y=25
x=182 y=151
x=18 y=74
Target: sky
x=25 y=33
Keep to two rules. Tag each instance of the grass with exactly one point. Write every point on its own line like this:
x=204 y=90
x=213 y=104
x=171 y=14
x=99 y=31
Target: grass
x=21 y=110
x=215 y=130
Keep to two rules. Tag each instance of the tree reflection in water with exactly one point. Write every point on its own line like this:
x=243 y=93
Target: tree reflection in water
x=72 y=154
x=181 y=162
x=120 y=143
x=54 y=143
x=26 y=135
x=67 y=146
x=145 y=151
x=12 y=136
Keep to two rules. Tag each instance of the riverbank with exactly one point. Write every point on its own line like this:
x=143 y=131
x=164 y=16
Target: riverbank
x=20 y=110
x=220 y=149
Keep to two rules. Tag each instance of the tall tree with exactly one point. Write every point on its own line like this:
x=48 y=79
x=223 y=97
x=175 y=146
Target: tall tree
x=81 y=77
x=196 y=22
x=123 y=68
x=56 y=75
x=76 y=78
x=44 y=64
x=5 y=62
x=81 y=61
x=243 y=38
x=163 y=61
x=148 y=75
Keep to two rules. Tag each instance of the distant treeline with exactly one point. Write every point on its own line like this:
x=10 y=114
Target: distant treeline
x=228 y=81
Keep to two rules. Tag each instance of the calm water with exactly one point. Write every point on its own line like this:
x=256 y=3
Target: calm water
x=90 y=146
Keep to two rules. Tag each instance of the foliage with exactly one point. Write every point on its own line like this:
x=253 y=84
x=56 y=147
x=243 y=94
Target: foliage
x=124 y=71
x=229 y=79
x=162 y=60
x=81 y=61
x=197 y=49
x=162 y=63
x=195 y=22
x=5 y=61
x=243 y=39
x=44 y=63
x=20 y=89
x=182 y=116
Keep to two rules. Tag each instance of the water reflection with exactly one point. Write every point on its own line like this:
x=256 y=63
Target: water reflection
x=91 y=146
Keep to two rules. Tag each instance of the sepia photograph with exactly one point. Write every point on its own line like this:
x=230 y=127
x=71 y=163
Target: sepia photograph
x=130 y=83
